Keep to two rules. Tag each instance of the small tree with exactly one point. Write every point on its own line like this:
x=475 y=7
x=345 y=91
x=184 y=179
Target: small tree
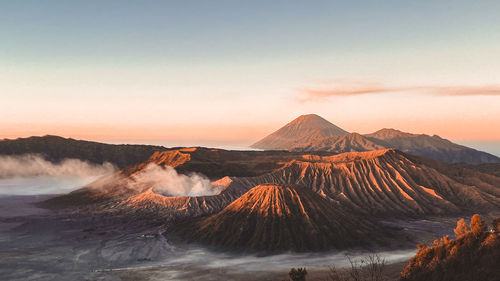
x=375 y=266
x=298 y=274
x=461 y=228
x=477 y=224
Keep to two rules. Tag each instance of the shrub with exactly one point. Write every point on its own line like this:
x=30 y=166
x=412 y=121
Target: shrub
x=298 y=274
x=477 y=224
x=461 y=228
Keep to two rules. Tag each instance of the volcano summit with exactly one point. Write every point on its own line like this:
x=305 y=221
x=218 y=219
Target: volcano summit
x=313 y=133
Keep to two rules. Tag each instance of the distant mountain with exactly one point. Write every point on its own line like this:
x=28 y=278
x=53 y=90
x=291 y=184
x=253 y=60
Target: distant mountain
x=388 y=134
x=352 y=142
x=55 y=149
x=433 y=147
x=300 y=131
x=273 y=218
x=303 y=134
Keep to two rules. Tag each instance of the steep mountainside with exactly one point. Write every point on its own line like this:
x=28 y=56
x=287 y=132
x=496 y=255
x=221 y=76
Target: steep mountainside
x=281 y=218
x=313 y=133
x=54 y=148
x=300 y=131
x=352 y=142
x=384 y=182
x=389 y=182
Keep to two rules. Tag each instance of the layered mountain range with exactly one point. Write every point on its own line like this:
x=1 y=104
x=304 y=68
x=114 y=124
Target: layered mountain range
x=313 y=133
x=269 y=193
x=271 y=201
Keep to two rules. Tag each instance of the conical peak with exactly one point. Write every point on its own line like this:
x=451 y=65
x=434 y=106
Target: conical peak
x=312 y=120
x=310 y=116
x=301 y=130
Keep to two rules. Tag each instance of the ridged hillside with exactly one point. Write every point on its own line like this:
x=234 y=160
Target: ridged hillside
x=388 y=182
x=382 y=183
x=352 y=142
x=274 y=218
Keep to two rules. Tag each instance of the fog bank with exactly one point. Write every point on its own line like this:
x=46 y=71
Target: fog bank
x=30 y=165
x=42 y=185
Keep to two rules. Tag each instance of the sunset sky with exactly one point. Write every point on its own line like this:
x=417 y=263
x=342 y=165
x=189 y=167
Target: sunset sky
x=226 y=73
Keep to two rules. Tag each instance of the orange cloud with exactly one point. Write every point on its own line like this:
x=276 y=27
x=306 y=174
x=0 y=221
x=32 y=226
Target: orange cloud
x=339 y=89
x=488 y=90
x=343 y=88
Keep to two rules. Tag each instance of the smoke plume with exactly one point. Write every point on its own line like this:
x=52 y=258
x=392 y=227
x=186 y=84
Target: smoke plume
x=168 y=182
x=33 y=165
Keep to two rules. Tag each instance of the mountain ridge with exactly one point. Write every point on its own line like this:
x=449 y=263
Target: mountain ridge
x=56 y=148
x=383 y=182
x=434 y=147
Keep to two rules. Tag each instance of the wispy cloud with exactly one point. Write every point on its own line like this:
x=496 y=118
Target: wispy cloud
x=342 y=88
x=488 y=90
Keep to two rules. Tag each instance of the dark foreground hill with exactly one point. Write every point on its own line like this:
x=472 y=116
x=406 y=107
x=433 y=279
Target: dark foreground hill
x=55 y=149
x=273 y=218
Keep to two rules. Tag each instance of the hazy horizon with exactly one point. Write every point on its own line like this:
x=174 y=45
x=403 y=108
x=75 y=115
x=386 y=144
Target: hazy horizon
x=229 y=73
x=489 y=147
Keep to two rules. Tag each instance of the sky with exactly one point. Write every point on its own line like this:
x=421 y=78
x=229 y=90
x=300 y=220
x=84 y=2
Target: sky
x=227 y=73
